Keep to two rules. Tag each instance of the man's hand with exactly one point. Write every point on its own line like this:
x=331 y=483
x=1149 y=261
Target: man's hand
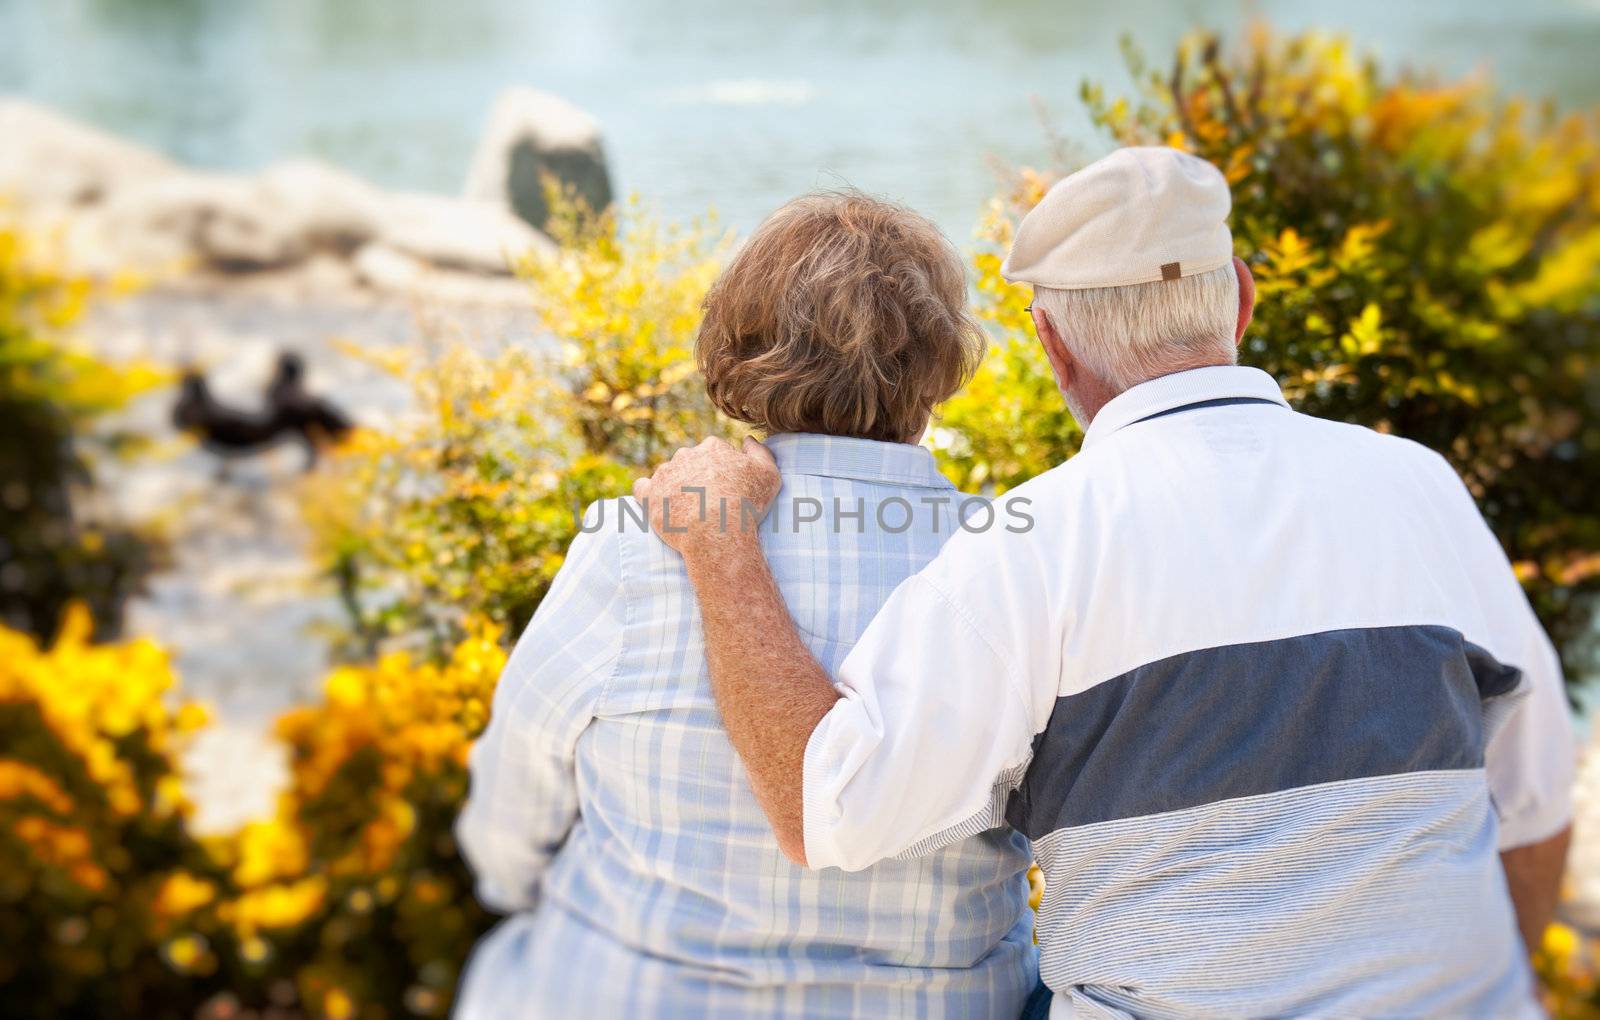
x=710 y=495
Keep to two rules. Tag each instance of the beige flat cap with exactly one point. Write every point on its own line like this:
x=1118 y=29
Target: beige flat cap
x=1140 y=215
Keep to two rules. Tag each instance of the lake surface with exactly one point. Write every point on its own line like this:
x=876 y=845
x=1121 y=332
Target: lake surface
x=736 y=105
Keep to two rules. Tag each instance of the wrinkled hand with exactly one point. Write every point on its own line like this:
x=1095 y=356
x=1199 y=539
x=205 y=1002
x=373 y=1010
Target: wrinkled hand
x=709 y=497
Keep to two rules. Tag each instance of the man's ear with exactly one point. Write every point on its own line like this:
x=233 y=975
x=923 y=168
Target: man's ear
x=1247 y=298
x=1061 y=362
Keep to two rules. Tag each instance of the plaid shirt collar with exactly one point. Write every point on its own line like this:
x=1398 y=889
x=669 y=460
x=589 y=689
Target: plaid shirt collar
x=864 y=460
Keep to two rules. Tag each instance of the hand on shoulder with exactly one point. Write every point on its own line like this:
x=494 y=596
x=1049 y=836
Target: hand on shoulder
x=711 y=496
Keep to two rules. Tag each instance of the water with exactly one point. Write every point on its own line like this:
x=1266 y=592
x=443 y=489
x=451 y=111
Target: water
x=719 y=103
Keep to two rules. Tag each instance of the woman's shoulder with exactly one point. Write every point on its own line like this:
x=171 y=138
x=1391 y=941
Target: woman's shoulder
x=617 y=531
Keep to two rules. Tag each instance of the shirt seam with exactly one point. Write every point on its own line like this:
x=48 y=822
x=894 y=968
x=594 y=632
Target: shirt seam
x=625 y=592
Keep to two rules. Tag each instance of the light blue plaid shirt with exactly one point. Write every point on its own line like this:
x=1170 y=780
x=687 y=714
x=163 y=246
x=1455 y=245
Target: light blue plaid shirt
x=612 y=818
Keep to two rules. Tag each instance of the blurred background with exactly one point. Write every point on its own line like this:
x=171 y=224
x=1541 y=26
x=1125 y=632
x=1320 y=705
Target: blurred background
x=319 y=320
x=726 y=105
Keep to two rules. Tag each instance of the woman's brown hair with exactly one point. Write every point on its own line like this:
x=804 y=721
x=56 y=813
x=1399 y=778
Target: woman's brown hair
x=842 y=314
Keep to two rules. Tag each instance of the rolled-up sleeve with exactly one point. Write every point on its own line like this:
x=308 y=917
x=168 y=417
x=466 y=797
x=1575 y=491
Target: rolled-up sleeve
x=932 y=731
x=523 y=797
x=1531 y=757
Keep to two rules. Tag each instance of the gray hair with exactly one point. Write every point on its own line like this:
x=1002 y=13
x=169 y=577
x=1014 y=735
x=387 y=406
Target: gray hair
x=1129 y=335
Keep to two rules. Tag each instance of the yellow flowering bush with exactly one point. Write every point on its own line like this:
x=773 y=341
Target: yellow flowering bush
x=50 y=393
x=104 y=895
x=1010 y=422
x=467 y=509
x=355 y=890
x=623 y=299
x=350 y=901
x=1427 y=256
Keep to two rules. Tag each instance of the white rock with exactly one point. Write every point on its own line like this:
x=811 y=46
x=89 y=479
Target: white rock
x=218 y=221
x=49 y=159
x=122 y=207
x=531 y=134
x=234 y=223
x=331 y=209
x=383 y=268
x=454 y=233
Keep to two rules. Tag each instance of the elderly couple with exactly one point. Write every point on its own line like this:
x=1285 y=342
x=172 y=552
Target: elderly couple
x=1259 y=692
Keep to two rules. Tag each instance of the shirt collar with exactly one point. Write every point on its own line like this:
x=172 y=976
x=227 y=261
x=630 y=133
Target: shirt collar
x=865 y=460
x=1172 y=391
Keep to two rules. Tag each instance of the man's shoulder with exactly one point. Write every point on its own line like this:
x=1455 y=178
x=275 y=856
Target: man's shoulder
x=1067 y=480
x=1023 y=528
x=1383 y=448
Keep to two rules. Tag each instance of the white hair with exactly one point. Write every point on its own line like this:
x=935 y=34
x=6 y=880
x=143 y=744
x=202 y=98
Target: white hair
x=1129 y=335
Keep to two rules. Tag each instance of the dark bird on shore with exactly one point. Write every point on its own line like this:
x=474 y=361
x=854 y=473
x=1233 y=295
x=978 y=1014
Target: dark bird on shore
x=316 y=419
x=290 y=411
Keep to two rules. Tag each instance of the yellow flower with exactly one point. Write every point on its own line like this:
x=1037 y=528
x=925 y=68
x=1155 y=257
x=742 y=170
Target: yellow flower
x=182 y=893
x=1035 y=886
x=18 y=780
x=337 y=1004
x=90 y=697
x=266 y=851
x=187 y=953
x=255 y=950
x=1560 y=941
x=276 y=906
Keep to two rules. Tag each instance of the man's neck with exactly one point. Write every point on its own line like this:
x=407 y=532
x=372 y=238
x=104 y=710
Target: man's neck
x=1085 y=406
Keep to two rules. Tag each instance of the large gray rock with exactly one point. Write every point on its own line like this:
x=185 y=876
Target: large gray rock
x=531 y=135
x=47 y=159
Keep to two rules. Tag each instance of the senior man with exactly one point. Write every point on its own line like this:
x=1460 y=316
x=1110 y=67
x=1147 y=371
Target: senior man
x=1261 y=688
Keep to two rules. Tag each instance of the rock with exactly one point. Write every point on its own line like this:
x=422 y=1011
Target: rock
x=122 y=207
x=236 y=224
x=454 y=233
x=216 y=221
x=531 y=134
x=383 y=268
x=293 y=211
x=48 y=159
x=330 y=209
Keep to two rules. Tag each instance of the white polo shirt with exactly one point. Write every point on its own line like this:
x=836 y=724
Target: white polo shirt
x=1264 y=693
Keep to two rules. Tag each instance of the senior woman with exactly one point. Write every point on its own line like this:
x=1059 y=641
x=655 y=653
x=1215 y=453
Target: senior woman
x=608 y=813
